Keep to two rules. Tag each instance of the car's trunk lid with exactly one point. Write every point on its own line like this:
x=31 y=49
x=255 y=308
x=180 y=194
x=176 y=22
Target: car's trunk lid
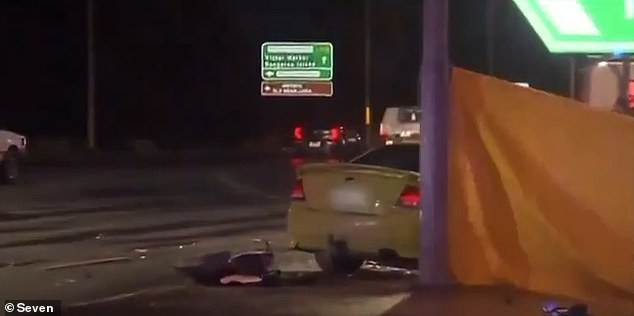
x=353 y=188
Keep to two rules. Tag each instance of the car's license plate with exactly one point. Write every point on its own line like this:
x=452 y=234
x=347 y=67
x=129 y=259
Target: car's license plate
x=314 y=144
x=350 y=198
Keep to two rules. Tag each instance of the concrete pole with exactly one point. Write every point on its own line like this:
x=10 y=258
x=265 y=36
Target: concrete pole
x=368 y=77
x=434 y=102
x=90 y=108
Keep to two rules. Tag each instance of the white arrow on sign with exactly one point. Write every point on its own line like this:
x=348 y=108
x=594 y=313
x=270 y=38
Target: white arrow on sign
x=269 y=73
x=324 y=59
x=629 y=9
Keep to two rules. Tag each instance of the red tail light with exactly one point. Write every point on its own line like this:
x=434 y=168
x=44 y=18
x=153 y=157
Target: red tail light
x=410 y=197
x=298 y=132
x=298 y=191
x=335 y=133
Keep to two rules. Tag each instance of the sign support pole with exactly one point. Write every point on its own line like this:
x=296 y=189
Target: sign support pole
x=573 y=78
x=90 y=107
x=490 y=35
x=368 y=75
x=624 y=86
x=434 y=98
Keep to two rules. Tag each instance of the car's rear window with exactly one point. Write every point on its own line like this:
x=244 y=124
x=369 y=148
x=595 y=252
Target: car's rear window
x=409 y=115
x=403 y=157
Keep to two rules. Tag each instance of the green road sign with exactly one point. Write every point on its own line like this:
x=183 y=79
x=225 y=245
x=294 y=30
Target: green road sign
x=582 y=26
x=297 y=61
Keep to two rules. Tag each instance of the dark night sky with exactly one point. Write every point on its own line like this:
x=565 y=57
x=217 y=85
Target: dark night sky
x=173 y=70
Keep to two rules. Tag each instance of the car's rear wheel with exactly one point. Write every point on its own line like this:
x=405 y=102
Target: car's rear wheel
x=334 y=263
x=9 y=168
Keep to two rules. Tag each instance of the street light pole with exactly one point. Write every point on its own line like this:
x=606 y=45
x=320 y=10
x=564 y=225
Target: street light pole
x=368 y=76
x=90 y=108
x=433 y=258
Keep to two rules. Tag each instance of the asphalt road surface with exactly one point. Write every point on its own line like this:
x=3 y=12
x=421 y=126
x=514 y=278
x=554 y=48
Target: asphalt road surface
x=58 y=224
x=112 y=240
x=101 y=234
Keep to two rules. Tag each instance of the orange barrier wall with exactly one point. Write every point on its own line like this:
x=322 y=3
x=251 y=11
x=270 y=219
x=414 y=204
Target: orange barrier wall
x=542 y=191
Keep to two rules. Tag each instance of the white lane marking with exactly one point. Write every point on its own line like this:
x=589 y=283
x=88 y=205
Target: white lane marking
x=118 y=297
x=86 y=263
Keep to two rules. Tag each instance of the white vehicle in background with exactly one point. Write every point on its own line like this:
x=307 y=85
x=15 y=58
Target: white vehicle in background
x=400 y=125
x=12 y=147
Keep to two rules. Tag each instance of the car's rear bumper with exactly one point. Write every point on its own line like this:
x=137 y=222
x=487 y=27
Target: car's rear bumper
x=313 y=230
x=395 y=140
x=21 y=153
x=384 y=257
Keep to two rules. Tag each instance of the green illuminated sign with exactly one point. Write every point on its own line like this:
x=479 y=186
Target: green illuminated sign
x=297 y=61
x=582 y=26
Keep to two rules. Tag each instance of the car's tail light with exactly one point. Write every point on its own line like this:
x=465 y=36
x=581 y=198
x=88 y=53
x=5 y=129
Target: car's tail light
x=335 y=133
x=298 y=132
x=298 y=191
x=410 y=197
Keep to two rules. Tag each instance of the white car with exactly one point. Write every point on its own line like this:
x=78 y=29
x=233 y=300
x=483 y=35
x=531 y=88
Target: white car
x=12 y=148
x=400 y=125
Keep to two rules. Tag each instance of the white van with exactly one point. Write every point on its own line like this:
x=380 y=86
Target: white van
x=400 y=124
